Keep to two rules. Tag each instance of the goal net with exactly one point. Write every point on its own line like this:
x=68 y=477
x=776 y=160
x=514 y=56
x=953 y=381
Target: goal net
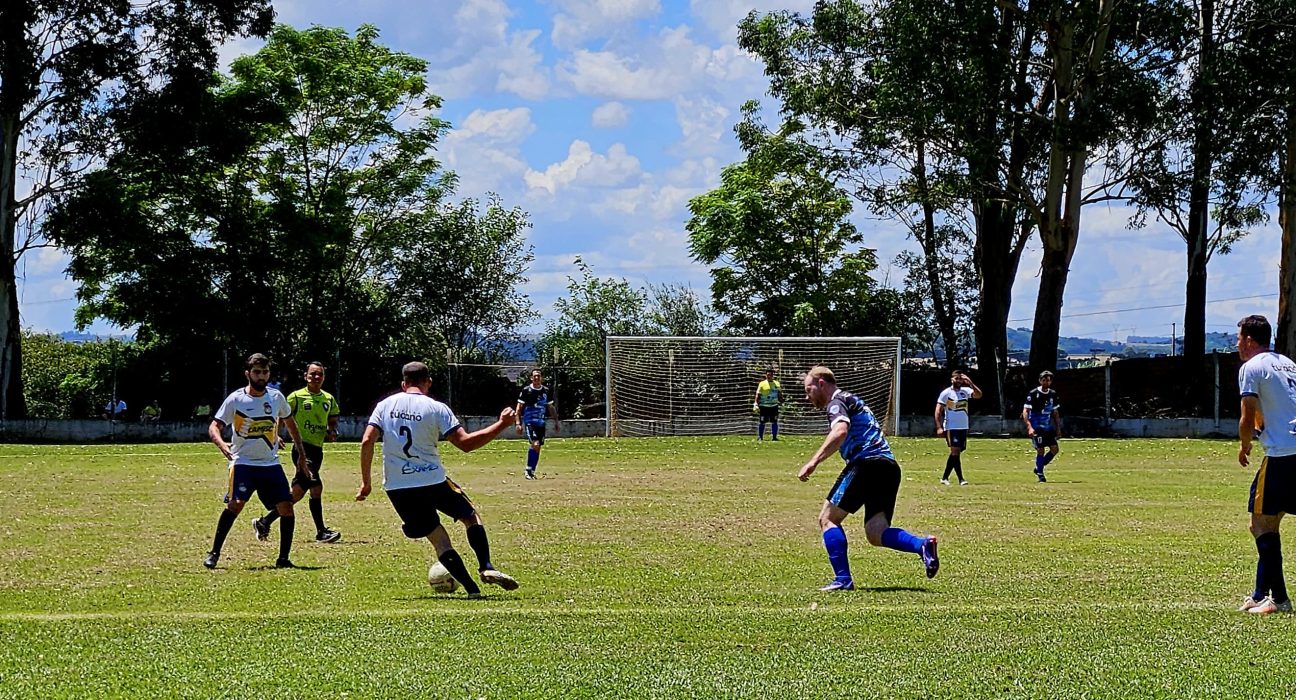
x=673 y=385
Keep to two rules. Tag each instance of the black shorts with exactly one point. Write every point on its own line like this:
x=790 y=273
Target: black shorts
x=418 y=506
x=1273 y=490
x=956 y=438
x=535 y=432
x=769 y=412
x=314 y=460
x=269 y=483
x=872 y=482
x=1044 y=438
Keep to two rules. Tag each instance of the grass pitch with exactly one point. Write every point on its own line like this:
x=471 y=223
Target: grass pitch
x=650 y=568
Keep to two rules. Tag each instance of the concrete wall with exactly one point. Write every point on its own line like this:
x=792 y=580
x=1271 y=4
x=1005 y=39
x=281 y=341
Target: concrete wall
x=350 y=428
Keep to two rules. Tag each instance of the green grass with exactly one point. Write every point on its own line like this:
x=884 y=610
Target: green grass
x=650 y=568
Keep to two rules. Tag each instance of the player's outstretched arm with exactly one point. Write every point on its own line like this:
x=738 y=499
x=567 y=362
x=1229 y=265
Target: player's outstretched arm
x=371 y=435
x=832 y=443
x=467 y=442
x=214 y=433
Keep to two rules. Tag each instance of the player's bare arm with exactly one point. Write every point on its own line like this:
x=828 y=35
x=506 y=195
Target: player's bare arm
x=517 y=410
x=332 y=433
x=467 y=442
x=833 y=442
x=1247 y=428
x=940 y=419
x=214 y=431
x=553 y=412
x=1057 y=421
x=976 y=390
x=1030 y=429
x=371 y=435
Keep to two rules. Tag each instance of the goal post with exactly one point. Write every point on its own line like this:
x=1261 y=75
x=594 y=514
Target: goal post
x=683 y=385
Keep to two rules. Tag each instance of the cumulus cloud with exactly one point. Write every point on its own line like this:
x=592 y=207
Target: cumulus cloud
x=580 y=21
x=610 y=115
x=584 y=167
x=721 y=17
x=485 y=150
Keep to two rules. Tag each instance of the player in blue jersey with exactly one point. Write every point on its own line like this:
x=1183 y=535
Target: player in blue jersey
x=870 y=480
x=1043 y=417
x=533 y=404
x=1267 y=384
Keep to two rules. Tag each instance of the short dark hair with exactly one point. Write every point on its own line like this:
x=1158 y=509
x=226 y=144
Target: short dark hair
x=257 y=359
x=414 y=373
x=1256 y=327
x=316 y=363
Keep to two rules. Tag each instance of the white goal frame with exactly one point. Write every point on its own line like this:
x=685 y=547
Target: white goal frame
x=650 y=390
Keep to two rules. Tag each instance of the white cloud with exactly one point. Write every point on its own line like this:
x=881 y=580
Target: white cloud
x=583 y=20
x=510 y=65
x=485 y=150
x=584 y=167
x=706 y=126
x=610 y=115
x=721 y=17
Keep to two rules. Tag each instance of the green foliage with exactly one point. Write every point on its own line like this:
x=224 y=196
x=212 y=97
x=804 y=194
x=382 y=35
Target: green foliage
x=787 y=259
x=63 y=379
x=306 y=206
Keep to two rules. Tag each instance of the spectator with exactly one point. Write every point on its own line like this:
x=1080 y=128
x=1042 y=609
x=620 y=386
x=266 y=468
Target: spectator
x=152 y=413
x=115 y=411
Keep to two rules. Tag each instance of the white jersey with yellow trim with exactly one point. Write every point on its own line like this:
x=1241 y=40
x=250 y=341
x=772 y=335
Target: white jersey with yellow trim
x=254 y=422
x=1271 y=378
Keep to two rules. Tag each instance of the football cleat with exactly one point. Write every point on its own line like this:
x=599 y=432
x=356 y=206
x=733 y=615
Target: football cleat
x=962 y=483
x=1268 y=606
x=530 y=474
x=930 y=561
x=210 y=561
x=839 y=584
x=284 y=564
x=945 y=482
x=327 y=535
x=1248 y=603
x=499 y=578
x=261 y=529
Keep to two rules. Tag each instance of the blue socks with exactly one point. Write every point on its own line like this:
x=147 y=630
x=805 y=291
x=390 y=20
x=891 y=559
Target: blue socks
x=835 y=542
x=533 y=458
x=901 y=541
x=1048 y=457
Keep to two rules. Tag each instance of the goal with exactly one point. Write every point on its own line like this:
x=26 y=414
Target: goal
x=676 y=385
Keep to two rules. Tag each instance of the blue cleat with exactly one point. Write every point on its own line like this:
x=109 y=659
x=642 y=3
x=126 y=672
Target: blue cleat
x=839 y=584
x=929 y=558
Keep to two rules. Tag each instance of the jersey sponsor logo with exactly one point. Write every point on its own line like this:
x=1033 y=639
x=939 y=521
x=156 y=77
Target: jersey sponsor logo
x=408 y=468
x=401 y=415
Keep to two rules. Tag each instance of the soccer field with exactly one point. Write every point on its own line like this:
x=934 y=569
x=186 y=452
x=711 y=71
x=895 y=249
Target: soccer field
x=649 y=568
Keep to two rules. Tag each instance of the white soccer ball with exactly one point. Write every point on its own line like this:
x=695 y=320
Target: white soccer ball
x=440 y=580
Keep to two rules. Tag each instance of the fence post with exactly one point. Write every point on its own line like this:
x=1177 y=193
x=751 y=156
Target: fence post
x=1107 y=394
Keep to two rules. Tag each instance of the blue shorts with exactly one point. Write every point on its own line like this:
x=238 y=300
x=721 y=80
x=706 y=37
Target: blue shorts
x=269 y=483
x=1273 y=490
x=535 y=432
x=872 y=482
x=956 y=438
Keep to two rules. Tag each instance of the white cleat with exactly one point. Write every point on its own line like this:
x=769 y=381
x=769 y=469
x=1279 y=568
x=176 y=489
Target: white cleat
x=499 y=578
x=1268 y=607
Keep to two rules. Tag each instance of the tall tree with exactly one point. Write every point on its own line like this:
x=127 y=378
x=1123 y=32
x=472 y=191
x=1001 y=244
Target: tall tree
x=788 y=260
x=64 y=69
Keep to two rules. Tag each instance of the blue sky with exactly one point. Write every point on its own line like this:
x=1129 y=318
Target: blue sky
x=603 y=117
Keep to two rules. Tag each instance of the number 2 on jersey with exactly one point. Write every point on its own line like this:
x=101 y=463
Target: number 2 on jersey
x=409 y=440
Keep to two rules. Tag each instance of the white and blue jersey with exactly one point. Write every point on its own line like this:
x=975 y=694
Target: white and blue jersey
x=411 y=425
x=1271 y=378
x=535 y=404
x=864 y=439
x=1040 y=405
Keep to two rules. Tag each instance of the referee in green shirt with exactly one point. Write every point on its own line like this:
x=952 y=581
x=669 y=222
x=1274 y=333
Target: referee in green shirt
x=316 y=413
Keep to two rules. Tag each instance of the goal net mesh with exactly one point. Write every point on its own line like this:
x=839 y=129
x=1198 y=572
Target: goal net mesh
x=667 y=385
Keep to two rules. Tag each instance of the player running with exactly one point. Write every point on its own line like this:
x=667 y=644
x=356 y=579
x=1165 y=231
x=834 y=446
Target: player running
x=870 y=479
x=952 y=421
x=410 y=424
x=532 y=405
x=316 y=413
x=1043 y=417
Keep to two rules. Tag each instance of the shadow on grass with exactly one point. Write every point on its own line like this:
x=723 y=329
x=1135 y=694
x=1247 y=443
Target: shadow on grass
x=891 y=589
x=271 y=567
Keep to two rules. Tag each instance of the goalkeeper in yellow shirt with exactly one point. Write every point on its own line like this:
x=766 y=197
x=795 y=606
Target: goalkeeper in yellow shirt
x=769 y=395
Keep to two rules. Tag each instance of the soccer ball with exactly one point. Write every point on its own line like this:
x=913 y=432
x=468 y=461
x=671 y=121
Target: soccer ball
x=440 y=580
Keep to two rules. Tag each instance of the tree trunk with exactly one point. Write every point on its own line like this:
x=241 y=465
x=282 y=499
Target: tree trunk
x=1285 y=338
x=12 y=402
x=1198 y=235
x=942 y=299
x=996 y=257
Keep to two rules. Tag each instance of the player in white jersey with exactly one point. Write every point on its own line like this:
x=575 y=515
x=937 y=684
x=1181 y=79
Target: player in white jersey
x=253 y=414
x=1267 y=384
x=411 y=423
x=952 y=421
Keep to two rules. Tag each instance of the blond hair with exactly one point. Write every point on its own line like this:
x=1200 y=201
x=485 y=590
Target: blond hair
x=821 y=372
